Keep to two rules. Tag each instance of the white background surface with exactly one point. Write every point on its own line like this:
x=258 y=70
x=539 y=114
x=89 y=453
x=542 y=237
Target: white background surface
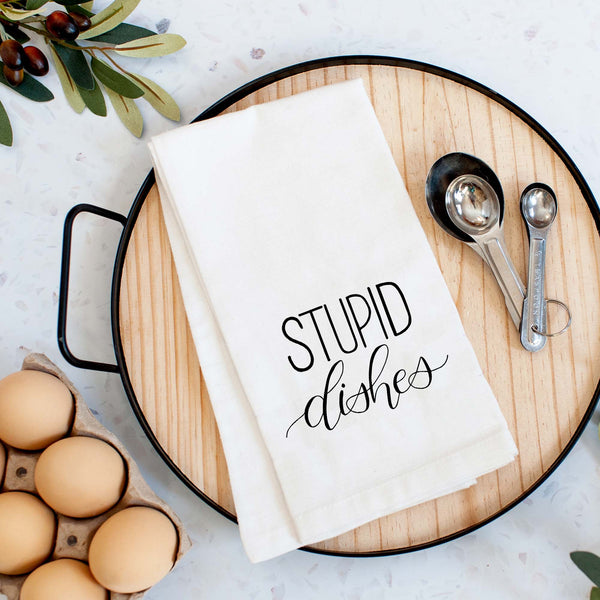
x=545 y=56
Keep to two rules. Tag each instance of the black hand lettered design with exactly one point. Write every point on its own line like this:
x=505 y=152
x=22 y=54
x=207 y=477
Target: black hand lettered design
x=382 y=312
x=327 y=410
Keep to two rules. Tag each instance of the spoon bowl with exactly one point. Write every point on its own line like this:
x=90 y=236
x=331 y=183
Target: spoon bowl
x=538 y=206
x=472 y=204
x=442 y=173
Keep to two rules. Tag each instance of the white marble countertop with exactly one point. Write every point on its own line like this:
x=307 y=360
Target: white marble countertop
x=543 y=55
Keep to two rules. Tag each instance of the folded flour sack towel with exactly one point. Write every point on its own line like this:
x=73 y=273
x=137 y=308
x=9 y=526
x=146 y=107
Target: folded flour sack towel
x=341 y=378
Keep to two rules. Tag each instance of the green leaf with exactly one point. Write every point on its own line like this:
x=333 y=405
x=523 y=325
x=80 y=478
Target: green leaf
x=35 y=4
x=159 y=99
x=94 y=100
x=114 y=80
x=68 y=85
x=110 y=17
x=81 y=9
x=69 y=2
x=156 y=45
x=15 y=14
x=30 y=88
x=124 y=32
x=595 y=593
x=127 y=111
x=17 y=34
x=589 y=563
x=6 y=135
x=87 y=5
x=77 y=65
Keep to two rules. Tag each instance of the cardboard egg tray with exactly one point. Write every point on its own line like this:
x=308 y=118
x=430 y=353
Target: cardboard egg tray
x=74 y=535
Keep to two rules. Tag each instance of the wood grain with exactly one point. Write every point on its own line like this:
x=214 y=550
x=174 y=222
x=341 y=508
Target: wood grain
x=544 y=396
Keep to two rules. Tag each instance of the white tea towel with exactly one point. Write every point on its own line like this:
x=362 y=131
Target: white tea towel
x=341 y=378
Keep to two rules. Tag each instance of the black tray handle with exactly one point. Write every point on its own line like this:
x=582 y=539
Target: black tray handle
x=64 y=285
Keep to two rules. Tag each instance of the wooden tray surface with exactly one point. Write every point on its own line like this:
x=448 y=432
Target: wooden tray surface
x=545 y=397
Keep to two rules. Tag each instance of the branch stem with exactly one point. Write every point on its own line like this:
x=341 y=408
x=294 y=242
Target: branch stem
x=62 y=42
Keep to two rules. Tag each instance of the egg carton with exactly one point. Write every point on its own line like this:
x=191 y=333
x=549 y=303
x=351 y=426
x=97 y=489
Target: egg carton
x=74 y=535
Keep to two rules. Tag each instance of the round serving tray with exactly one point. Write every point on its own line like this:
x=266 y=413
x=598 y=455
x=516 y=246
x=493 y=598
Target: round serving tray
x=546 y=398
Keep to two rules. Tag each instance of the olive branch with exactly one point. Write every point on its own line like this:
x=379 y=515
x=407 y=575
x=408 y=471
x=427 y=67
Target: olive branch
x=83 y=46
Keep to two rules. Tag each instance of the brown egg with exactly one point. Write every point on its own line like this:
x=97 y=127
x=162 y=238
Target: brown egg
x=36 y=409
x=63 y=579
x=80 y=476
x=133 y=549
x=27 y=530
x=2 y=463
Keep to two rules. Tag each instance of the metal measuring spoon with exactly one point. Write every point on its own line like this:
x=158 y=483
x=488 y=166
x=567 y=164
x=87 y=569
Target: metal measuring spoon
x=467 y=227
x=473 y=206
x=538 y=208
x=445 y=170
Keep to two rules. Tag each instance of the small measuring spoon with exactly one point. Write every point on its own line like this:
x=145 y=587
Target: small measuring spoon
x=474 y=208
x=538 y=209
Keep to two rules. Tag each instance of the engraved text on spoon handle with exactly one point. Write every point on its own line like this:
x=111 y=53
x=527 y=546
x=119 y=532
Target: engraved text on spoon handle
x=534 y=308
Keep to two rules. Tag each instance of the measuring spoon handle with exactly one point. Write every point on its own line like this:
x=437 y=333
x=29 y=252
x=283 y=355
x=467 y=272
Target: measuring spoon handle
x=495 y=254
x=534 y=305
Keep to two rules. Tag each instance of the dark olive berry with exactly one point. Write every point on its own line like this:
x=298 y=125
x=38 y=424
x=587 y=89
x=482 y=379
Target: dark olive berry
x=81 y=21
x=12 y=54
x=61 y=25
x=14 y=77
x=35 y=61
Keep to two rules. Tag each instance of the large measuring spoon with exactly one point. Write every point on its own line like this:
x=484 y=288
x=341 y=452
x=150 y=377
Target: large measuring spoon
x=465 y=198
x=473 y=206
x=538 y=208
